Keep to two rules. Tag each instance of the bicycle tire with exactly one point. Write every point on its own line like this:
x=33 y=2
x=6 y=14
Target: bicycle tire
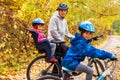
x=112 y=75
x=97 y=66
x=49 y=77
x=39 y=67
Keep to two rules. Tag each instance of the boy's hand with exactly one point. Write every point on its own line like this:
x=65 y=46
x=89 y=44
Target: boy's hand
x=114 y=57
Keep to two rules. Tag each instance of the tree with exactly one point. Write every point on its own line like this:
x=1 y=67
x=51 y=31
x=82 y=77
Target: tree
x=15 y=42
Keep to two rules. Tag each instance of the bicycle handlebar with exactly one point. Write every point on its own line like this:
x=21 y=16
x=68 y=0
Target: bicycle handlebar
x=28 y=29
x=97 y=37
x=108 y=59
x=94 y=38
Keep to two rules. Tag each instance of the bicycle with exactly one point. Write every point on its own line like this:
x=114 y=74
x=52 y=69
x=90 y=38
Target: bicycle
x=67 y=74
x=35 y=69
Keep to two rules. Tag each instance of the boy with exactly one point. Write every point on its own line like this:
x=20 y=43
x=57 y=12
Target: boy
x=80 y=49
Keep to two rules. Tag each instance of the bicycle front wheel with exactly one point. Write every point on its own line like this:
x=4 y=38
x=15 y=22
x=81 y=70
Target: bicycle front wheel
x=49 y=77
x=111 y=65
x=97 y=67
x=39 y=67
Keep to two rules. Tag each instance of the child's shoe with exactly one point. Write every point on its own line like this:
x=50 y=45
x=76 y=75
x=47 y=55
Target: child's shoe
x=53 y=60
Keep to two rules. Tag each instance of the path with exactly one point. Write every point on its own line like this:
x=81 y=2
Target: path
x=113 y=46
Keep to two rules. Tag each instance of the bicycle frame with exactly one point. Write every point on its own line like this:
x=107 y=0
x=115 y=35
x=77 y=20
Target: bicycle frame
x=67 y=74
x=104 y=74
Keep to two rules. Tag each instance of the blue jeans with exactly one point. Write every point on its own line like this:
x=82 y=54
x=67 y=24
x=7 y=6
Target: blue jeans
x=83 y=68
x=45 y=46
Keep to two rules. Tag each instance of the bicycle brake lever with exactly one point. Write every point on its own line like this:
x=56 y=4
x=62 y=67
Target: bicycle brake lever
x=97 y=37
x=107 y=60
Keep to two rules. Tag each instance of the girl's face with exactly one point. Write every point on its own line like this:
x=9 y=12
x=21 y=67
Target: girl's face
x=38 y=26
x=63 y=13
x=87 y=35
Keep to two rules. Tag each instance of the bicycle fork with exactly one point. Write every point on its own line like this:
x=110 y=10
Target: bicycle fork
x=104 y=74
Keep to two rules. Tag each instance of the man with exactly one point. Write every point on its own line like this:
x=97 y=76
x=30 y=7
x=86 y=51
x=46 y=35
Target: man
x=58 y=27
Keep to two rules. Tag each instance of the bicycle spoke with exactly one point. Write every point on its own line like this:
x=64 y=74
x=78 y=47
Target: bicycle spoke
x=37 y=68
x=111 y=66
x=49 y=77
x=96 y=66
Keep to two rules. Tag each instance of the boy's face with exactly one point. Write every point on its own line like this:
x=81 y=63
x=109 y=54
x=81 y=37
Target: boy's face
x=63 y=12
x=87 y=35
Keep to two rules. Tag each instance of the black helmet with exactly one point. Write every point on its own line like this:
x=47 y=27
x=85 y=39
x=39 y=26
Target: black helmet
x=62 y=6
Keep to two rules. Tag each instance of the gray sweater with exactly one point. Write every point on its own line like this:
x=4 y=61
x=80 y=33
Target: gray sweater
x=58 y=28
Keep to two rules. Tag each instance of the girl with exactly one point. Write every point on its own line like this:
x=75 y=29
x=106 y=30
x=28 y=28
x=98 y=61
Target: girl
x=41 y=41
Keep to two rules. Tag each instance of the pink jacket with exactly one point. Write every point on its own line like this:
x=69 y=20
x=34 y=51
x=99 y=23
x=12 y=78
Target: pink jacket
x=41 y=36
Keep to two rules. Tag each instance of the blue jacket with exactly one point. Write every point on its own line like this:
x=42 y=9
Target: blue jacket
x=79 y=50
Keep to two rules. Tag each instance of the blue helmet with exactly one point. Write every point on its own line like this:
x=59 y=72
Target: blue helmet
x=86 y=25
x=38 y=21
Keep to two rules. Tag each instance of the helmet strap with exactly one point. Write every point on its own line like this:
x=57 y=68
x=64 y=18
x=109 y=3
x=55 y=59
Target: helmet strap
x=82 y=31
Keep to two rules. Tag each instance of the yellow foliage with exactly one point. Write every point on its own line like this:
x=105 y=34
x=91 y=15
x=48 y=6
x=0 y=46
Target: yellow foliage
x=15 y=44
x=2 y=45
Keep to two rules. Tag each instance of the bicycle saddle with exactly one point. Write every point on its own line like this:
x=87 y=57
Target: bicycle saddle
x=57 y=42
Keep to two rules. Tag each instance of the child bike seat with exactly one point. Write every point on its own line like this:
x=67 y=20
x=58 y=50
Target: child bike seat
x=35 y=36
